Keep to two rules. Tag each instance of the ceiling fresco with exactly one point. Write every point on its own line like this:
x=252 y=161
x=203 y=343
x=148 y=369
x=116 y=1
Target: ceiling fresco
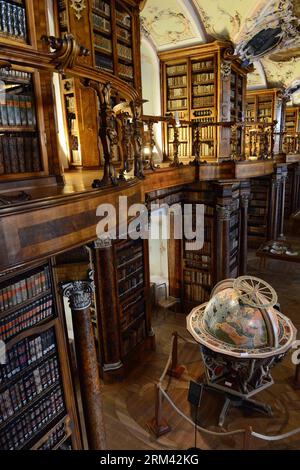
x=264 y=32
x=171 y=24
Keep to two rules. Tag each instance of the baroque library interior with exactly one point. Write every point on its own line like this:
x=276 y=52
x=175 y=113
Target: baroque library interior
x=149 y=225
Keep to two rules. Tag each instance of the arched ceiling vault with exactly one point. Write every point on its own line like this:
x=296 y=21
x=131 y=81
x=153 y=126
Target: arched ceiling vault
x=274 y=25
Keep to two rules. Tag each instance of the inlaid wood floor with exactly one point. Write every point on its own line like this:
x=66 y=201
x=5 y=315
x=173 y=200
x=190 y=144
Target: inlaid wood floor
x=130 y=404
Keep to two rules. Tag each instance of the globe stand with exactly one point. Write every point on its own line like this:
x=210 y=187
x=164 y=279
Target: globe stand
x=232 y=400
x=236 y=402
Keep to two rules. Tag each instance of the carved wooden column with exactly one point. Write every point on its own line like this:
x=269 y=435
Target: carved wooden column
x=273 y=207
x=128 y=159
x=282 y=203
x=136 y=107
x=80 y=294
x=176 y=145
x=245 y=197
x=296 y=188
x=223 y=245
x=107 y=132
x=107 y=309
x=196 y=144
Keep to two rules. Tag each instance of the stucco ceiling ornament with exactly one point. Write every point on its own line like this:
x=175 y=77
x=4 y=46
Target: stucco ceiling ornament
x=157 y=19
x=281 y=73
x=274 y=29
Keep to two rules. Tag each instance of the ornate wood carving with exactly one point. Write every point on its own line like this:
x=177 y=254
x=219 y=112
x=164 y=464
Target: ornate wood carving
x=107 y=132
x=196 y=145
x=176 y=145
x=127 y=128
x=150 y=164
x=136 y=107
x=66 y=51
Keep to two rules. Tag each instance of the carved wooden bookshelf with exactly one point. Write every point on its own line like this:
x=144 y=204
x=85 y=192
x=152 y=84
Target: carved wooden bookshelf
x=203 y=84
x=36 y=392
x=111 y=32
x=28 y=144
x=292 y=119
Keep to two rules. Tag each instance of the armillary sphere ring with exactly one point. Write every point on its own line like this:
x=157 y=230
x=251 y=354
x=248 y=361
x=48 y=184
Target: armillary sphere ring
x=255 y=292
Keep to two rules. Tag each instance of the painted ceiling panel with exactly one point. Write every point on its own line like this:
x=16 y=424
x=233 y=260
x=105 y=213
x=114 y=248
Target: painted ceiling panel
x=223 y=18
x=170 y=24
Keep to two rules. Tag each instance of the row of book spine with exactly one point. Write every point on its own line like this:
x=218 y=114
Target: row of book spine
x=124 y=52
x=206 y=132
x=55 y=437
x=126 y=255
x=175 y=104
x=177 y=92
x=101 y=23
x=28 y=388
x=177 y=81
x=17 y=110
x=129 y=284
x=103 y=43
x=195 y=293
x=129 y=315
x=101 y=6
x=183 y=133
x=207 y=150
x=173 y=70
x=195 y=257
x=133 y=337
x=203 y=77
x=12 y=19
x=25 y=289
x=123 y=34
x=17 y=75
x=19 y=433
x=102 y=62
x=125 y=70
x=63 y=20
x=129 y=269
x=204 y=64
x=27 y=352
x=183 y=150
x=26 y=317
x=203 y=89
x=197 y=277
x=203 y=101
x=123 y=18
x=19 y=153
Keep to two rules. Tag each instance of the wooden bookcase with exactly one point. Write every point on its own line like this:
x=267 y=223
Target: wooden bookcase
x=291 y=124
x=197 y=88
x=198 y=265
x=22 y=147
x=28 y=147
x=261 y=105
x=132 y=305
x=111 y=31
x=122 y=310
x=258 y=219
x=36 y=393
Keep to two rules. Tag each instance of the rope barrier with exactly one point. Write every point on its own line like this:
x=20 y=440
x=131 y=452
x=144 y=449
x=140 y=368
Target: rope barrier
x=207 y=431
x=275 y=438
x=248 y=433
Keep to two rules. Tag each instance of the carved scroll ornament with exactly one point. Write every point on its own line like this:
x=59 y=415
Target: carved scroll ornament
x=66 y=51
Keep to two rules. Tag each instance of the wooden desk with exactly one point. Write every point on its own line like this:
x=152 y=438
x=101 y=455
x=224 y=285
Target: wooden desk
x=264 y=255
